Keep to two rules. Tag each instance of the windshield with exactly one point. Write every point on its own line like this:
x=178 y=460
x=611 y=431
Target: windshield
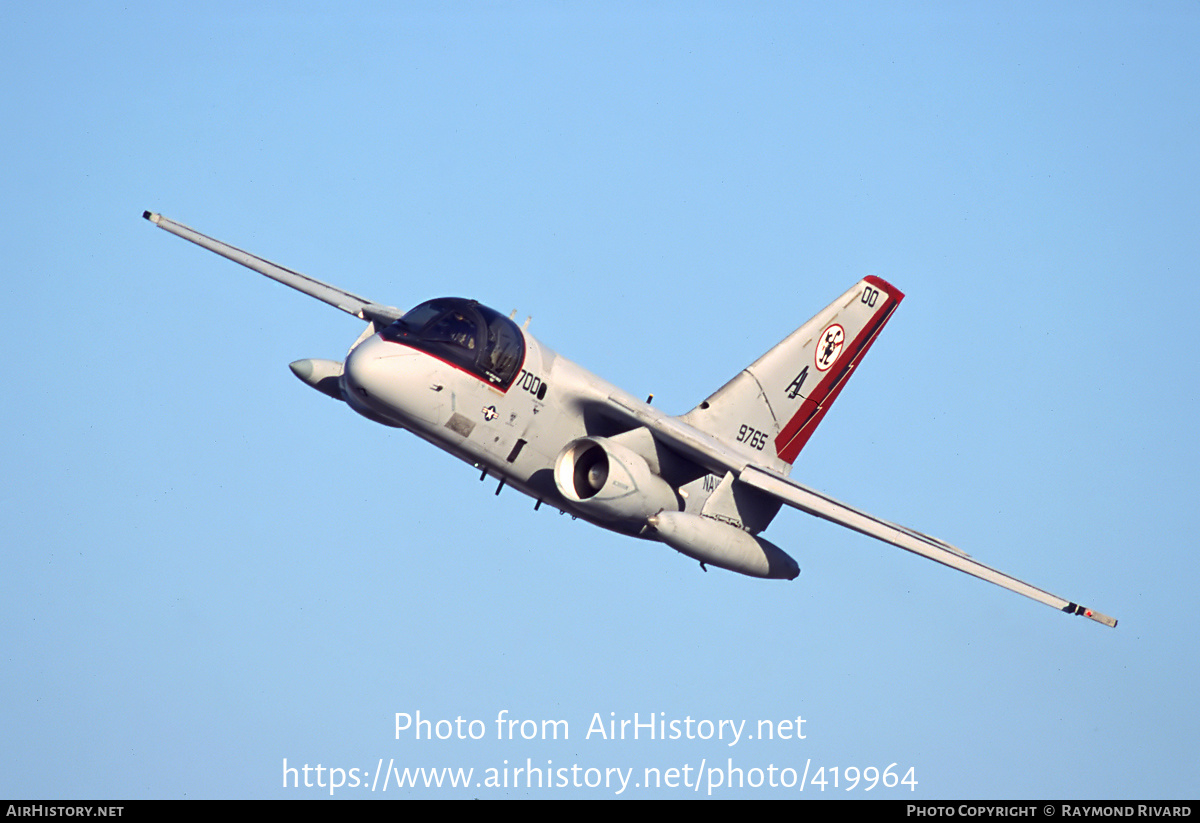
x=465 y=334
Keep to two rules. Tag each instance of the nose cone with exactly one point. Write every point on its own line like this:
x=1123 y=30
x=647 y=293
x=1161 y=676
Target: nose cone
x=390 y=380
x=364 y=371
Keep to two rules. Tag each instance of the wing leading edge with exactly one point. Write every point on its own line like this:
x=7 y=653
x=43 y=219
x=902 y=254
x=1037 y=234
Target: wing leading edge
x=819 y=505
x=350 y=303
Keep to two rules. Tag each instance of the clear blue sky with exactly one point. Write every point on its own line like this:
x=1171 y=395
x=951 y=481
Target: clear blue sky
x=209 y=568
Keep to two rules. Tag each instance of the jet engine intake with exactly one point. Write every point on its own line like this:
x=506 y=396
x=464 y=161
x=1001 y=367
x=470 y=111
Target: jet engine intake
x=611 y=481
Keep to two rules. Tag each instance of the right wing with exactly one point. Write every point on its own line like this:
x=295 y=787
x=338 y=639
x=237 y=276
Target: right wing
x=819 y=505
x=360 y=307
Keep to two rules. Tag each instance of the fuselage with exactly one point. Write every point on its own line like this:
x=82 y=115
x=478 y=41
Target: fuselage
x=511 y=424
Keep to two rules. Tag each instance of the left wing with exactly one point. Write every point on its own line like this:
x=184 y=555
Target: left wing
x=819 y=505
x=350 y=303
x=712 y=454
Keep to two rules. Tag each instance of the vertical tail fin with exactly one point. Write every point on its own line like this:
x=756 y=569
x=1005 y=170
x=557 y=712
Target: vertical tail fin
x=771 y=408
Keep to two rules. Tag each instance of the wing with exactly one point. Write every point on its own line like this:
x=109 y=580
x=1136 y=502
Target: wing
x=715 y=456
x=344 y=300
x=819 y=505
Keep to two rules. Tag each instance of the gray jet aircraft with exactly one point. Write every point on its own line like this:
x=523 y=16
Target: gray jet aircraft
x=473 y=383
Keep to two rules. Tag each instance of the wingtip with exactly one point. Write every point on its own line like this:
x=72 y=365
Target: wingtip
x=151 y=216
x=1084 y=611
x=1111 y=622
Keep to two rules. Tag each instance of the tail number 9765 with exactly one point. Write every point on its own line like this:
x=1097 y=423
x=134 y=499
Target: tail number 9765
x=752 y=437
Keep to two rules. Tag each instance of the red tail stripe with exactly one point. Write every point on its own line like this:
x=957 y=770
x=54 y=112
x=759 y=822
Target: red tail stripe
x=794 y=435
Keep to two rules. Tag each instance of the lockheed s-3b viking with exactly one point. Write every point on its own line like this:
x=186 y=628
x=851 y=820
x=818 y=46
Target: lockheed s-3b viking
x=472 y=382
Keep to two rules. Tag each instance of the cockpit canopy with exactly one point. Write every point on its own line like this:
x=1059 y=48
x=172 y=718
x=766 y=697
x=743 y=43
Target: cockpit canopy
x=465 y=334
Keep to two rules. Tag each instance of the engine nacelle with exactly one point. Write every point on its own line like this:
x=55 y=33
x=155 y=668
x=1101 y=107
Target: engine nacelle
x=611 y=482
x=720 y=544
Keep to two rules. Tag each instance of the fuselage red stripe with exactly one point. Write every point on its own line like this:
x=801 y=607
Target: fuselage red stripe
x=500 y=387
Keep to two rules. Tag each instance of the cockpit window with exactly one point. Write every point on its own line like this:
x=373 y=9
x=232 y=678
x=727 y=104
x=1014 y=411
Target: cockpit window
x=452 y=327
x=419 y=317
x=505 y=348
x=464 y=334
